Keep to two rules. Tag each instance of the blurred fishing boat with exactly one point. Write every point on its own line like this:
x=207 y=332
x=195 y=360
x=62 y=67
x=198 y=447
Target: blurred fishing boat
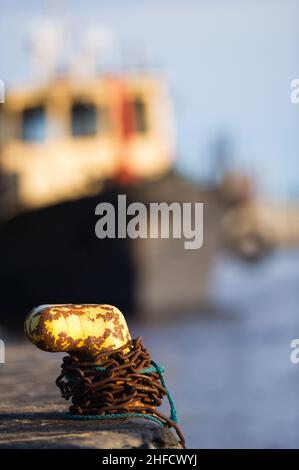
x=254 y=228
x=68 y=144
x=69 y=141
x=61 y=139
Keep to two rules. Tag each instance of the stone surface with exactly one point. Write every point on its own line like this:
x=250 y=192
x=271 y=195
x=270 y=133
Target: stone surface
x=32 y=411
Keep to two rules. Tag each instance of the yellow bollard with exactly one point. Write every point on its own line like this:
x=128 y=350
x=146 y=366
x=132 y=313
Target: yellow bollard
x=85 y=330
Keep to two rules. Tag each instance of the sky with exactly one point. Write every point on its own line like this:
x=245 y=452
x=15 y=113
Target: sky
x=229 y=64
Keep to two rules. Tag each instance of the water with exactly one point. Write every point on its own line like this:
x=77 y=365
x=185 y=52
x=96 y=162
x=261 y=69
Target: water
x=231 y=375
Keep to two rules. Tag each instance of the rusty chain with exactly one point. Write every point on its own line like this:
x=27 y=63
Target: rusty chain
x=114 y=383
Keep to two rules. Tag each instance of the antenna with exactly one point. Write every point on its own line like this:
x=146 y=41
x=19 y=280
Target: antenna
x=46 y=41
x=47 y=38
x=56 y=44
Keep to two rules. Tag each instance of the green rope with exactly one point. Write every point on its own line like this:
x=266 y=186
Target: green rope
x=115 y=416
x=173 y=411
x=100 y=369
x=147 y=370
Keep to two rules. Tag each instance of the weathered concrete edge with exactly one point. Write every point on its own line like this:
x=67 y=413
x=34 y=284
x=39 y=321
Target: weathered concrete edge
x=35 y=432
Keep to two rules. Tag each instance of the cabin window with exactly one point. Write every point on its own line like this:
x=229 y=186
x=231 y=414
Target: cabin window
x=34 y=123
x=141 y=125
x=84 y=119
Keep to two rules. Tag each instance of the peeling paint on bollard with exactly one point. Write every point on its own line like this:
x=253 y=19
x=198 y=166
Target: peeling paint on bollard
x=87 y=330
